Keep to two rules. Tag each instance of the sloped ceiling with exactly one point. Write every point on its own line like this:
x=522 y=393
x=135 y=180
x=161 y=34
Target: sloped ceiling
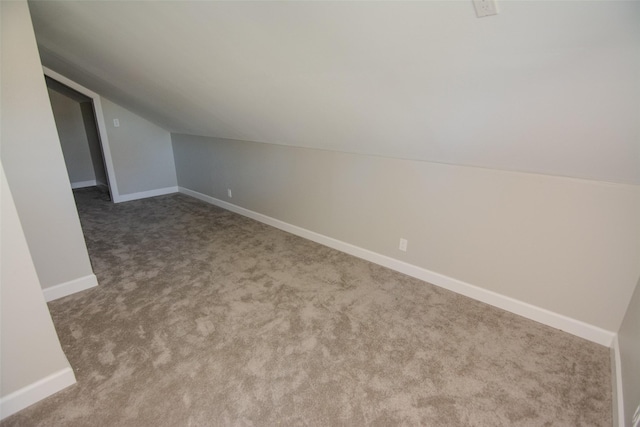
x=545 y=87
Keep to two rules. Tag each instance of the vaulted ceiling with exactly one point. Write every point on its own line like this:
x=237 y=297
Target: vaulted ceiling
x=545 y=87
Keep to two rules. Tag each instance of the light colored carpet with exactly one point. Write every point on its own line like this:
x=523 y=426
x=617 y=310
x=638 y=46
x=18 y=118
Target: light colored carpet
x=204 y=317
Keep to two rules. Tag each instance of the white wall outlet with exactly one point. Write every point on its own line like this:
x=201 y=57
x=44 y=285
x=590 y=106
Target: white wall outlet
x=485 y=8
x=116 y=123
x=403 y=245
x=229 y=193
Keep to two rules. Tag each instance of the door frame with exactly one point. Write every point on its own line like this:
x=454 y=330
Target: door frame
x=101 y=125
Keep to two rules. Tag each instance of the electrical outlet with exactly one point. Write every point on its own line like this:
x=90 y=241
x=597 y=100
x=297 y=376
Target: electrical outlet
x=116 y=123
x=403 y=245
x=229 y=193
x=485 y=8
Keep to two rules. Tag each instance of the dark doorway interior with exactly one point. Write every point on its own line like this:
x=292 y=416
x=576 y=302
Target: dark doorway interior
x=76 y=123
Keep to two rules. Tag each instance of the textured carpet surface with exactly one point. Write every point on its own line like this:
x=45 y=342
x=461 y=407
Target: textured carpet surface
x=204 y=317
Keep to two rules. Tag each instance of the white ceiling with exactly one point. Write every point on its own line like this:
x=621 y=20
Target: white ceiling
x=546 y=87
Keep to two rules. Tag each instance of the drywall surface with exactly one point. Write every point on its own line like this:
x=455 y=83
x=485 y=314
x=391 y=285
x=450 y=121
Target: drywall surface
x=566 y=245
x=141 y=151
x=73 y=137
x=629 y=342
x=29 y=347
x=32 y=157
x=548 y=87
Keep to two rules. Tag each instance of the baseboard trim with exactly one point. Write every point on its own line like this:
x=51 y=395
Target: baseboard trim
x=45 y=387
x=144 y=194
x=616 y=384
x=541 y=315
x=70 y=287
x=83 y=184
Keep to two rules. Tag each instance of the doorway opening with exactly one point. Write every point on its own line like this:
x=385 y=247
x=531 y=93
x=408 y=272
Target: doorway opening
x=79 y=137
x=100 y=126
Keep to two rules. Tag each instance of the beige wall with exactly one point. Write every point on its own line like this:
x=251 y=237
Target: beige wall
x=629 y=342
x=141 y=151
x=565 y=245
x=33 y=160
x=29 y=347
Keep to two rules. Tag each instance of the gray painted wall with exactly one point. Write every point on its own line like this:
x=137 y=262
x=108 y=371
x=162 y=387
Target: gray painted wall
x=141 y=151
x=629 y=342
x=30 y=350
x=33 y=160
x=566 y=245
x=29 y=346
x=73 y=138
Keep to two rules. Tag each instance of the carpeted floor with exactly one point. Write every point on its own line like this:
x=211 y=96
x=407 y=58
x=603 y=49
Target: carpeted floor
x=206 y=318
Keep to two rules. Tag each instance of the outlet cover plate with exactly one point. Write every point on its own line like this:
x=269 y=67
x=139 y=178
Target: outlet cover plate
x=485 y=8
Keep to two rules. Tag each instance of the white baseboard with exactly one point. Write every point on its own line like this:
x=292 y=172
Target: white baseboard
x=541 y=315
x=26 y=396
x=616 y=384
x=83 y=184
x=144 y=194
x=70 y=287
